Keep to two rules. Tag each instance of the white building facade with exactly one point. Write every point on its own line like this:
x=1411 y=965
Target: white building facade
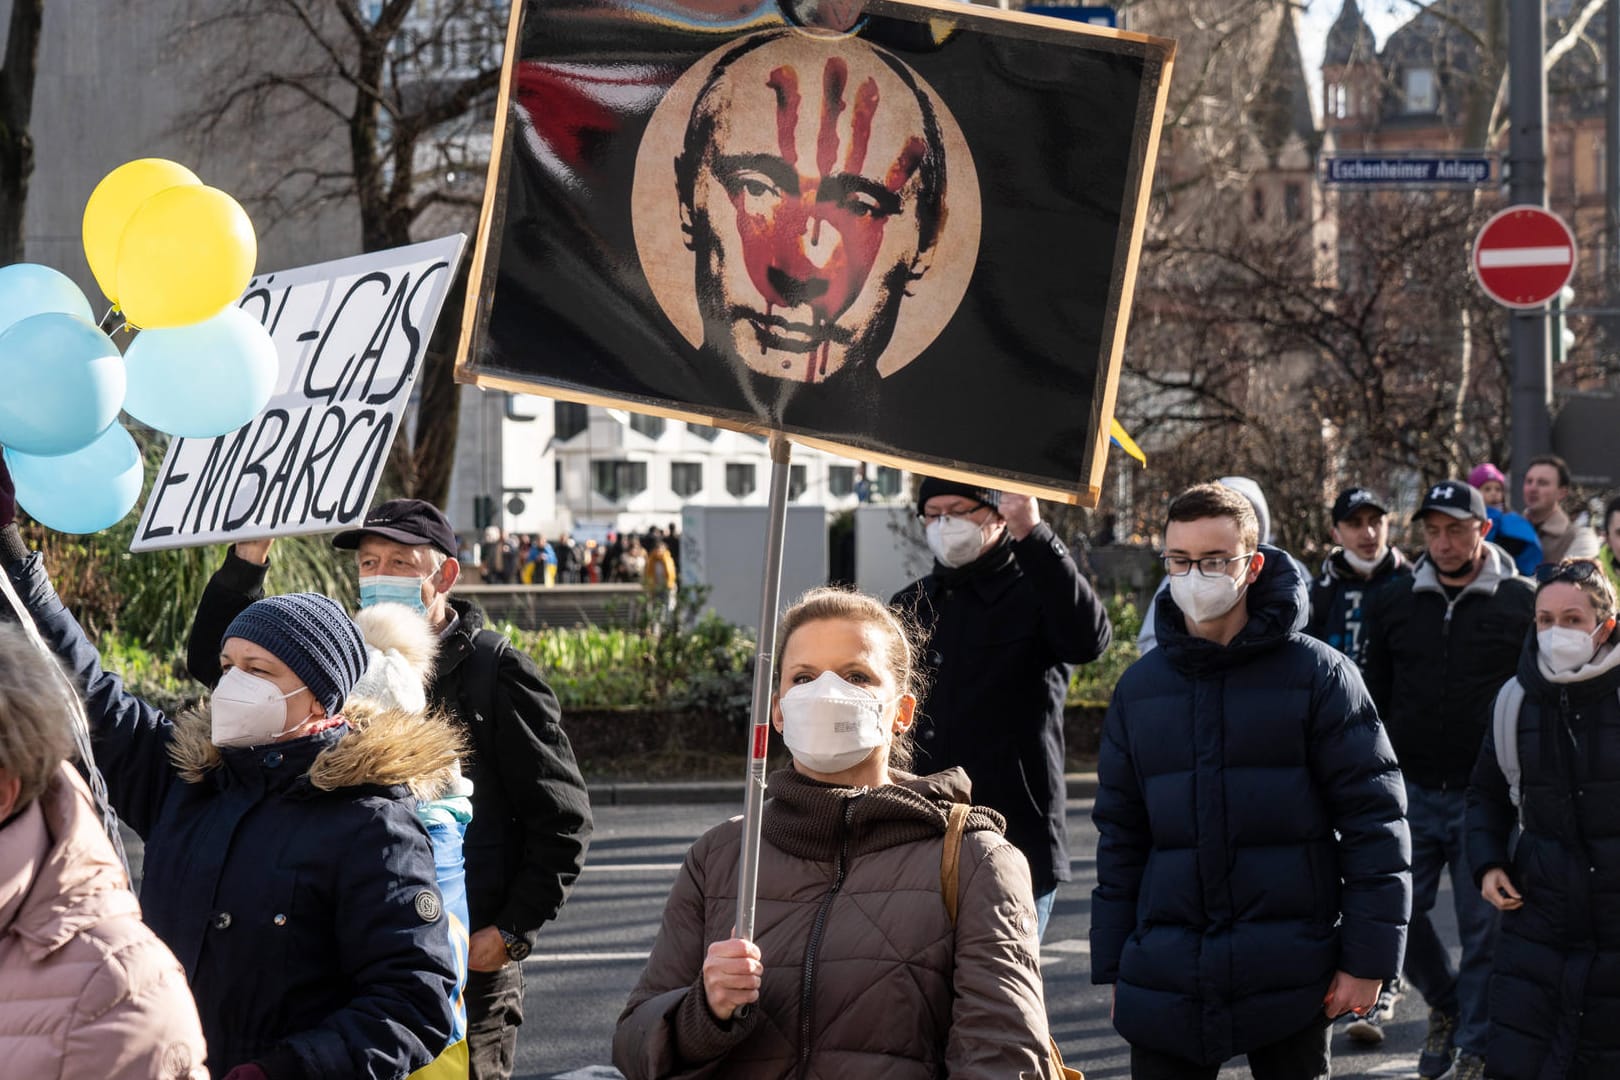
x=530 y=464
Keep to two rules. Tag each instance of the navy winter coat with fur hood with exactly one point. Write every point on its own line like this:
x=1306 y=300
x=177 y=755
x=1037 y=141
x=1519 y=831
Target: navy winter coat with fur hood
x=1224 y=902
x=293 y=881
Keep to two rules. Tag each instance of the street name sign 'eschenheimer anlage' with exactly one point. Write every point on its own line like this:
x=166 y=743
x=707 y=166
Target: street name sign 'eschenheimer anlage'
x=1417 y=169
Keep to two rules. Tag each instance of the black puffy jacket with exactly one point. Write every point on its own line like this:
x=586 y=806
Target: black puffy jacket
x=1434 y=665
x=1339 y=598
x=1555 y=980
x=1251 y=826
x=1002 y=635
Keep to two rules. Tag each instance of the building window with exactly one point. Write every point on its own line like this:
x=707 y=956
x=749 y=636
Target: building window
x=556 y=476
x=650 y=426
x=888 y=482
x=619 y=480
x=740 y=480
x=1294 y=203
x=571 y=419
x=1420 y=95
x=841 y=480
x=798 y=481
x=704 y=431
x=1338 y=101
x=686 y=477
x=1257 y=204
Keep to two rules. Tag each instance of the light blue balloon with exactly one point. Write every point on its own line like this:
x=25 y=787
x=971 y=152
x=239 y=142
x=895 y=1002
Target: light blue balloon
x=64 y=383
x=201 y=380
x=28 y=289
x=82 y=492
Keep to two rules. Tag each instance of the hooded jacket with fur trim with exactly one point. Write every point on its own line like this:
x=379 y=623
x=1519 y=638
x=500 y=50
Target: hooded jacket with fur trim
x=293 y=881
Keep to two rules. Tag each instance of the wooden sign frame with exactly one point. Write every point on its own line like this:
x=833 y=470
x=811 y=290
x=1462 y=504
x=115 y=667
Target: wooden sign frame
x=1156 y=56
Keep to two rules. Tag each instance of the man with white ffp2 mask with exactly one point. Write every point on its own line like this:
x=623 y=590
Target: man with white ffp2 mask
x=1362 y=562
x=1004 y=616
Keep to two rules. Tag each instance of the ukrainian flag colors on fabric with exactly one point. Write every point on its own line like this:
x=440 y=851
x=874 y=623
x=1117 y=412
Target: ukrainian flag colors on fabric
x=1117 y=436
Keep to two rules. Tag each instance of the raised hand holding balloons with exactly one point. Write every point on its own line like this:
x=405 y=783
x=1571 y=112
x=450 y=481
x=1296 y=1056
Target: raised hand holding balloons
x=64 y=384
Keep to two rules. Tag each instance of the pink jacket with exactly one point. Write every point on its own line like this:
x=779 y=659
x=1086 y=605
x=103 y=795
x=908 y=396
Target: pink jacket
x=86 y=990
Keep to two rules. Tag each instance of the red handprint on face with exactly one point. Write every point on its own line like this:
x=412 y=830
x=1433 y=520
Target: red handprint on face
x=811 y=240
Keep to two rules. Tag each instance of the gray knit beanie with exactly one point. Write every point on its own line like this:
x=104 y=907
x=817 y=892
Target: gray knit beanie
x=313 y=636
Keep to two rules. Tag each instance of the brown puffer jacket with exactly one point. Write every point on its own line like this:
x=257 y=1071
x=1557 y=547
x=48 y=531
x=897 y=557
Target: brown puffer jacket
x=864 y=975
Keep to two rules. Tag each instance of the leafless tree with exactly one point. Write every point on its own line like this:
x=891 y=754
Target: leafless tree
x=17 y=73
x=389 y=105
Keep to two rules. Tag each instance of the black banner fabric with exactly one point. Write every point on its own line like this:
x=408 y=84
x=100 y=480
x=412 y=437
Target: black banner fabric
x=914 y=241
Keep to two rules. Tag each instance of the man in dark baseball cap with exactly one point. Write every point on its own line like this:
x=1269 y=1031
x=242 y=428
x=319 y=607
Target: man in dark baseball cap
x=1439 y=646
x=404 y=521
x=1455 y=498
x=1362 y=563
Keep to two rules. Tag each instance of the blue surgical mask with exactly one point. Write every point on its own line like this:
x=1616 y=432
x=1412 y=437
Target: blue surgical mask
x=383 y=589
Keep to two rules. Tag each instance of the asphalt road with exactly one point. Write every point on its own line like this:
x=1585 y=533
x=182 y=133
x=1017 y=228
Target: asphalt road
x=588 y=961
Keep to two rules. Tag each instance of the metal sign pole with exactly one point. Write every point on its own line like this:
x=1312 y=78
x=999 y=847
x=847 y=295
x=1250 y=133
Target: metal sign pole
x=764 y=663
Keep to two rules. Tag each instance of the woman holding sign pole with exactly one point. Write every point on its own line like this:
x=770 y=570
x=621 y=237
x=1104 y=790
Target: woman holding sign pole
x=285 y=865
x=857 y=966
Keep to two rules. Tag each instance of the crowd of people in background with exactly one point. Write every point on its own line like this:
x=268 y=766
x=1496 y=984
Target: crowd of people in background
x=1285 y=777
x=651 y=559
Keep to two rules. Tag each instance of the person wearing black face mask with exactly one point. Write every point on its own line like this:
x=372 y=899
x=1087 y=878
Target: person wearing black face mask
x=1439 y=645
x=1005 y=615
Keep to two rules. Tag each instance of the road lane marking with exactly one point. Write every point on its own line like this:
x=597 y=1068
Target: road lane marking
x=634 y=868
x=586 y=957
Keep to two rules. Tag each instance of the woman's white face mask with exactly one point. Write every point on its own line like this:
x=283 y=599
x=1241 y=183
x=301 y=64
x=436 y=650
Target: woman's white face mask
x=1565 y=648
x=830 y=724
x=248 y=710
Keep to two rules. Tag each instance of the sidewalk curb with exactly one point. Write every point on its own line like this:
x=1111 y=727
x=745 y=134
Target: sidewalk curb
x=688 y=792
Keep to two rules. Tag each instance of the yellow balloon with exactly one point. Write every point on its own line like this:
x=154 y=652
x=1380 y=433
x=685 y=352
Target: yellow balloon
x=114 y=202
x=186 y=254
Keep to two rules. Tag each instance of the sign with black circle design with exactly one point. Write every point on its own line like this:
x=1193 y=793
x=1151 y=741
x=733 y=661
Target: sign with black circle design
x=914 y=242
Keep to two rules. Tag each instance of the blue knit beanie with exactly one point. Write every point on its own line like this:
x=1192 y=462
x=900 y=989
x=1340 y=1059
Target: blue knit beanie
x=313 y=636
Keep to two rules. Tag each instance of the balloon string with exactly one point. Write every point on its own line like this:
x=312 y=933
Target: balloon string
x=102 y=325
x=78 y=722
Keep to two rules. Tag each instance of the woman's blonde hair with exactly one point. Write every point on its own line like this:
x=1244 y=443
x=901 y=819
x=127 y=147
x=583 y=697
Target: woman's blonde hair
x=829 y=604
x=34 y=734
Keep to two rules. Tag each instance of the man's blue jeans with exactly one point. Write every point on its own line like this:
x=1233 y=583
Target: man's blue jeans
x=1436 y=821
x=1043 y=912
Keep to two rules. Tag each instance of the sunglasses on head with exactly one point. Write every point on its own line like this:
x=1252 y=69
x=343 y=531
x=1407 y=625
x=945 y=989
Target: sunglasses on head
x=1577 y=570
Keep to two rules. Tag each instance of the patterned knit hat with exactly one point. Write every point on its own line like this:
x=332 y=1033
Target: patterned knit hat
x=313 y=636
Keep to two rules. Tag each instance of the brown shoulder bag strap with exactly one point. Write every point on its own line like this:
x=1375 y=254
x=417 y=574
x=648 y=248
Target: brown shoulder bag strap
x=950 y=861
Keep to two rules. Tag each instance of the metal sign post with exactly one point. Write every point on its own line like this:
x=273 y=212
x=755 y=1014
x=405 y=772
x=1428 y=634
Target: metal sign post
x=759 y=734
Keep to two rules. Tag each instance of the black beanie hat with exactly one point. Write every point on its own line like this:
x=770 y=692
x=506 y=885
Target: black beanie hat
x=313 y=636
x=932 y=486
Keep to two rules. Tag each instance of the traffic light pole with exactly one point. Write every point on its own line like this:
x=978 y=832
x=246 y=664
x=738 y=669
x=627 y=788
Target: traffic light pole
x=1527 y=154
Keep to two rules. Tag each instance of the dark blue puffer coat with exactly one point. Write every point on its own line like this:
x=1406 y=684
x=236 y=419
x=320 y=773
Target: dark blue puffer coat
x=1224 y=902
x=304 y=909
x=1555 y=978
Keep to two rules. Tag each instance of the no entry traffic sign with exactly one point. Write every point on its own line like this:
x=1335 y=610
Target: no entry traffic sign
x=1523 y=256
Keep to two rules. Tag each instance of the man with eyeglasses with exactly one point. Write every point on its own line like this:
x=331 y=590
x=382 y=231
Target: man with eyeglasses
x=1252 y=877
x=1002 y=618
x=1439 y=646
